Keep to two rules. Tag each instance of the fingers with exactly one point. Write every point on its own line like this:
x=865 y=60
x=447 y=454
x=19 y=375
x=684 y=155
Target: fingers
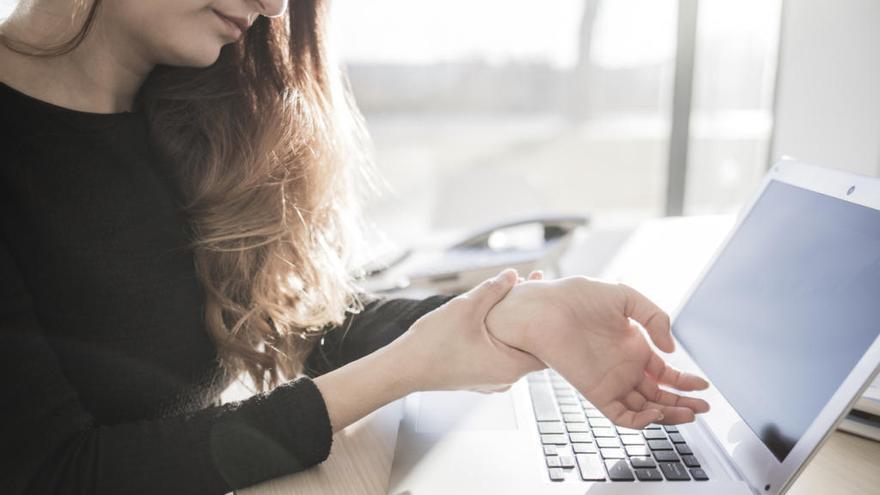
x=655 y=320
x=653 y=393
x=671 y=414
x=667 y=375
x=492 y=290
x=638 y=406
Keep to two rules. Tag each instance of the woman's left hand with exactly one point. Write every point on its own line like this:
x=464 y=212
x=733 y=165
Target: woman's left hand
x=588 y=332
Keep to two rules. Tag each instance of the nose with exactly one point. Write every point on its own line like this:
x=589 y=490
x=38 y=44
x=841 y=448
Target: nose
x=271 y=8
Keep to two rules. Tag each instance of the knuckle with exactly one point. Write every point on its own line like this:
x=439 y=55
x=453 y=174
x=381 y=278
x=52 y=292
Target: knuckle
x=493 y=286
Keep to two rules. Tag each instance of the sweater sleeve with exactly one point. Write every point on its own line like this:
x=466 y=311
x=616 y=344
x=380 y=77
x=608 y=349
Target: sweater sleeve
x=52 y=444
x=380 y=322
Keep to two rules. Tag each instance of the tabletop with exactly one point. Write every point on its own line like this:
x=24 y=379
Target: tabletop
x=660 y=258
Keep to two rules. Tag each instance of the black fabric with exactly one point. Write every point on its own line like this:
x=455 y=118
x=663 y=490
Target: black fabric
x=109 y=378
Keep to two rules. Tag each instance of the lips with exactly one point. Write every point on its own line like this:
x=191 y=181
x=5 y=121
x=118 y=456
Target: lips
x=240 y=25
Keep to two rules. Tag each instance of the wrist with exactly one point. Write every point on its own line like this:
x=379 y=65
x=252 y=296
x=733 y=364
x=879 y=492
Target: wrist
x=511 y=321
x=403 y=368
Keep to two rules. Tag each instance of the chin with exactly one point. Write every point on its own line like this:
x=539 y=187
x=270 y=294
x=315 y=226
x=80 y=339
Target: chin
x=196 y=56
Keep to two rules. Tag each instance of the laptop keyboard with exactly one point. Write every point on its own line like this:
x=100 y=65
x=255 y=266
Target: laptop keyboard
x=579 y=443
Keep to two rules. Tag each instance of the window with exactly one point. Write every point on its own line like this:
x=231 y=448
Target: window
x=485 y=111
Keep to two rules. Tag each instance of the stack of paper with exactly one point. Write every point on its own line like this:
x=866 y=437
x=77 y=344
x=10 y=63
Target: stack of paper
x=864 y=419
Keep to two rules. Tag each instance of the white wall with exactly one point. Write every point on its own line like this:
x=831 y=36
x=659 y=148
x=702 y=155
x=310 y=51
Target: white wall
x=828 y=96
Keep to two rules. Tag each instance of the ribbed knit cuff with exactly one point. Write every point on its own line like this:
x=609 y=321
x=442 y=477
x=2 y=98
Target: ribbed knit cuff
x=282 y=432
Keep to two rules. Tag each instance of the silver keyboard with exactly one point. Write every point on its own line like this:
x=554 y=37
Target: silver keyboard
x=581 y=444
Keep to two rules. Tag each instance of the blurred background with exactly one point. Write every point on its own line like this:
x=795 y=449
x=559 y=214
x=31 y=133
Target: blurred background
x=621 y=109
x=484 y=111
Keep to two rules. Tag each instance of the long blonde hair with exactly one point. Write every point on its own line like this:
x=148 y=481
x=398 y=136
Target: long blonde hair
x=265 y=146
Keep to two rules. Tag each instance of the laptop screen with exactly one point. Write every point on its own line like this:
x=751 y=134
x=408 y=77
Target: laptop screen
x=787 y=310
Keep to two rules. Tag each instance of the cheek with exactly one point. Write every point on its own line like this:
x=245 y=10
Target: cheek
x=190 y=40
x=172 y=32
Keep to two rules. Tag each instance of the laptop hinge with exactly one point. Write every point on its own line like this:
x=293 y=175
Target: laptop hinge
x=728 y=465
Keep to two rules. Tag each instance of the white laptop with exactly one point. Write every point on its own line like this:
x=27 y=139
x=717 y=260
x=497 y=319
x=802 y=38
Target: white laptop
x=785 y=324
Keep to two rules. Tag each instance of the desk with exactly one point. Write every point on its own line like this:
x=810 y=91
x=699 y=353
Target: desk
x=660 y=258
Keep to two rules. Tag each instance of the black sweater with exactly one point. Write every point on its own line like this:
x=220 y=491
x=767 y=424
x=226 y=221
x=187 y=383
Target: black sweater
x=109 y=381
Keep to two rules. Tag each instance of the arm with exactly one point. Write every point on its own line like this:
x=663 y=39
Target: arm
x=53 y=444
x=360 y=387
x=379 y=323
x=449 y=348
x=56 y=444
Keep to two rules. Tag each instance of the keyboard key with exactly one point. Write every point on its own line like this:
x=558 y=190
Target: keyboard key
x=577 y=427
x=554 y=439
x=654 y=434
x=659 y=445
x=653 y=426
x=612 y=453
x=537 y=376
x=551 y=427
x=549 y=450
x=556 y=474
x=690 y=461
x=648 y=474
x=698 y=474
x=676 y=438
x=569 y=408
x=604 y=432
x=592 y=412
x=590 y=467
x=665 y=455
x=623 y=430
x=671 y=428
x=573 y=418
x=564 y=401
x=683 y=449
x=565 y=393
x=674 y=471
x=642 y=462
x=632 y=439
x=542 y=401
x=584 y=448
x=619 y=471
x=600 y=422
x=638 y=450
x=580 y=438
x=607 y=442
x=553 y=461
x=567 y=461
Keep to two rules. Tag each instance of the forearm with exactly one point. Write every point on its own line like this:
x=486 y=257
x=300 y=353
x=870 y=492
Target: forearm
x=380 y=322
x=362 y=386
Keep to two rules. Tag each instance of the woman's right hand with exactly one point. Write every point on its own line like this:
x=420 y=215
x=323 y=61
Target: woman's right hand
x=446 y=349
x=450 y=348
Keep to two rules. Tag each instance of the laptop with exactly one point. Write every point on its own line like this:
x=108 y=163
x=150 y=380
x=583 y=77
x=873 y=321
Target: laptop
x=785 y=324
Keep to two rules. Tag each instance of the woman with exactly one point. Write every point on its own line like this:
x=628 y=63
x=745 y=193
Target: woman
x=177 y=189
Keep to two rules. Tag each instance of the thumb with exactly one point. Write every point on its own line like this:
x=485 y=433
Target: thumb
x=650 y=316
x=492 y=290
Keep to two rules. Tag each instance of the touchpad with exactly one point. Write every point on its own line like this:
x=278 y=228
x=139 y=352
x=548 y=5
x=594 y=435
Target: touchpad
x=457 y=410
